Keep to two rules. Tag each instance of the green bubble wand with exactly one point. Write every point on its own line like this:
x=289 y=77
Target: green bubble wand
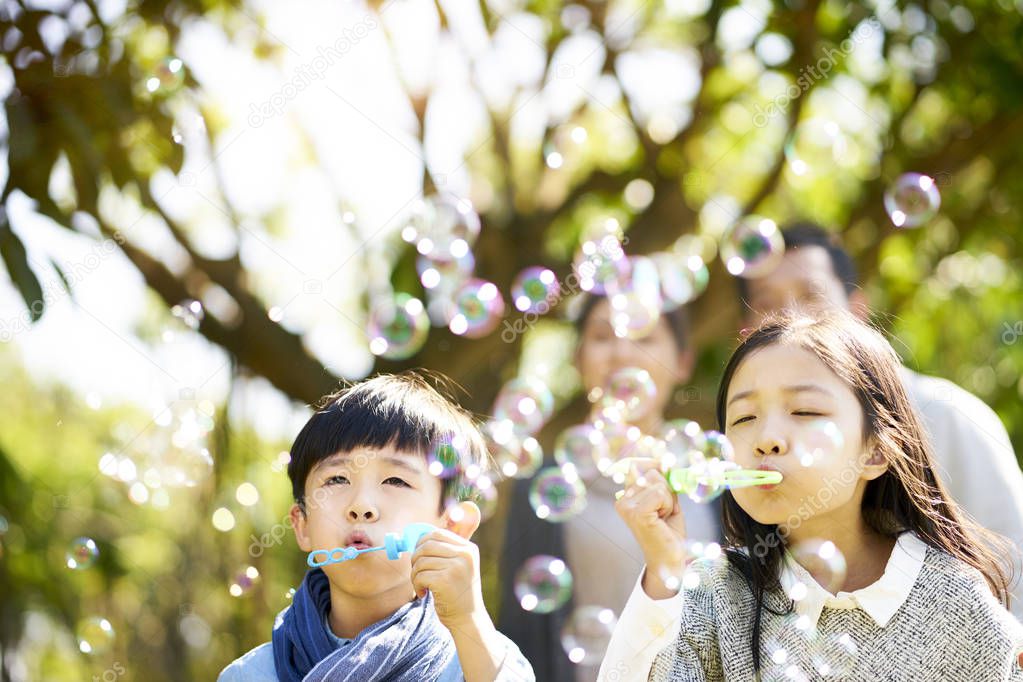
x=710 y=474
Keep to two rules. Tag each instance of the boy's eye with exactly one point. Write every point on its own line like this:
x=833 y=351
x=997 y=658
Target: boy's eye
x=394 y=480
x=336 y=478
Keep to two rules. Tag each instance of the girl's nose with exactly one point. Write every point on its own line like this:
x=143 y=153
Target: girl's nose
x=771 y=445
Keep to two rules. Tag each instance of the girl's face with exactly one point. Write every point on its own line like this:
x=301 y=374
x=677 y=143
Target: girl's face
x=779 y=402
x=601 y=354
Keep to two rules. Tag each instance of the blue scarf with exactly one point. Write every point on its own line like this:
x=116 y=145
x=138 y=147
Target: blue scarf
x=410 y=645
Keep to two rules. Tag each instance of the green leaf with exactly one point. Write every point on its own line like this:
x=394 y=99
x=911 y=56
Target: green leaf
x=16 y=260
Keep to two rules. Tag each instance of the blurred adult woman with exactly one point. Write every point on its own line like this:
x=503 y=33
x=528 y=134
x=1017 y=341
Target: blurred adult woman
x=595 y=544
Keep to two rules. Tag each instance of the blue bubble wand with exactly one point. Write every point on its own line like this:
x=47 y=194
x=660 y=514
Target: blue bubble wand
x=394 y=545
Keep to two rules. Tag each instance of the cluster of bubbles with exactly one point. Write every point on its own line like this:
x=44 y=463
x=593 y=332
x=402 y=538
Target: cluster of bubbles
x=443 y=230
x=912 y=200
x=171 y=453
x=825 y=656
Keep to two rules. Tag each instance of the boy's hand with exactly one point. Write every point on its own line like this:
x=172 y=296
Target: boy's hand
x=651 y=511
x=449 y=566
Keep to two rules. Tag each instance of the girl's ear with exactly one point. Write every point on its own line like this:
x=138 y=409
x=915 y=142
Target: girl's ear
x=298 y=521
x=462 y=519
x=874 y=463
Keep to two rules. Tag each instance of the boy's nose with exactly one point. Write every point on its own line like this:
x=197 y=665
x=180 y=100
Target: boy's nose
x=362 y=511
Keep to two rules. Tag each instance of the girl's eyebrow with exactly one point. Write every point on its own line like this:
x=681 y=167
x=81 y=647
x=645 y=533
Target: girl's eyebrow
x=798 y=388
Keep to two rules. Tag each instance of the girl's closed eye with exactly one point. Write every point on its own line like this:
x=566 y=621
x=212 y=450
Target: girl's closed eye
x=741 y=420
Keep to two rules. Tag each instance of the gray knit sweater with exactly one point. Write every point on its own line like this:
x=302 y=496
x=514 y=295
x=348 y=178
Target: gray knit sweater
x=949 y=628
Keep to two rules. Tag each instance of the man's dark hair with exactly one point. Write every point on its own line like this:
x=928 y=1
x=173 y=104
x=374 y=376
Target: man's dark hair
x=805 y=233
x=400 y=411
x=677 y=319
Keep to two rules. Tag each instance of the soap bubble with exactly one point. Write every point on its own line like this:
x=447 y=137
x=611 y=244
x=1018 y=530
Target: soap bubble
x=834 y=656
x=504 y=444
x=81 y=553
x=634 y=316
x=167 y=77
x=526 y=402
x=586 y=634
x=244 y=581
x=445 y=458
x=753 y=247
x=535 y=290
x=582 y=446
x=622 y=441
x=717 y=446
x=557 y=493
x=630 y=392
x=442 y=227
x=912 y=200
x=543 y=584
x=820 y=439
x=519 y=457
x=174 y=452
x=444 y=276
x=480 y=490
x=816 y=145
x=682 y=278
x=190 y=312
x=600 y=262
x=681 y=438
x=95 y=635
x=822 y=560
x=478 y=308
x=635 y=298
x=705 y=480
x=397 y=327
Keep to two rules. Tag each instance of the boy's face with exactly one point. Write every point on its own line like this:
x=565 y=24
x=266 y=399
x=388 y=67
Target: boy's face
x=354 y=499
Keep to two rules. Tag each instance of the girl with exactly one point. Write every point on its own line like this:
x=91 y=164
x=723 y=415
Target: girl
x=922 y=597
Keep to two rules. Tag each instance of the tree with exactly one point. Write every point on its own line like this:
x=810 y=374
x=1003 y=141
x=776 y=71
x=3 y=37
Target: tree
x=705 y=108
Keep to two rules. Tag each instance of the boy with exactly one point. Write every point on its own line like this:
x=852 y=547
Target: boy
x=363 y=466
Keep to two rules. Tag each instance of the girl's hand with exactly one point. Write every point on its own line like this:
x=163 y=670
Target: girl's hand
x=651 y=511
x=447 y=565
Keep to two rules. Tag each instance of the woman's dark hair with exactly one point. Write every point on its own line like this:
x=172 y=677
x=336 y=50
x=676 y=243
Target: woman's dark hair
x=677 y=319
x=907 y=497
x=802 y=234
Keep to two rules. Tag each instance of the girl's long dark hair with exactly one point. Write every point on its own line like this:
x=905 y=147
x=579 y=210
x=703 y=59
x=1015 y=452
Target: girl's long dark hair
x=907 y=497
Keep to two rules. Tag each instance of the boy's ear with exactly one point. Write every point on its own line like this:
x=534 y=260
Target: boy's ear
x=298 y=520
x=462 y=519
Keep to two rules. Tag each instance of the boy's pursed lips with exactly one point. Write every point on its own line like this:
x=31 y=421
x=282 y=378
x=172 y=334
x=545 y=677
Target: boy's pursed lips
x=358 y=539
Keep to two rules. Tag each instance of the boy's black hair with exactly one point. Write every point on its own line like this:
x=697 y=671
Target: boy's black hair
x=402 y=411
x=806 y=233
x=677 y=319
